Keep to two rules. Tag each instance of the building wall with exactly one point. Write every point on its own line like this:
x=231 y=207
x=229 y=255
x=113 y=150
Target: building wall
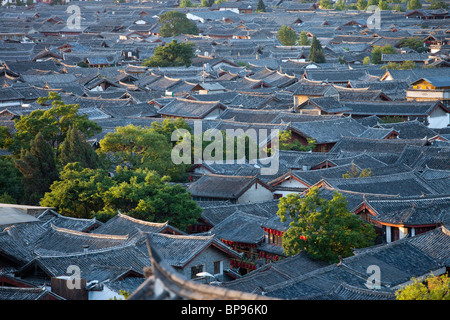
x=256 y=193
x=438 y=119
x=290 y=183
x=207 y=259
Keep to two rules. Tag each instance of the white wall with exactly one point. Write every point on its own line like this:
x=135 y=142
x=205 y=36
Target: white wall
x=256 y=193
x=438 y=119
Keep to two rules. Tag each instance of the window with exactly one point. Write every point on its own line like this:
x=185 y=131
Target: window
x=218 y=267
x=195 y=270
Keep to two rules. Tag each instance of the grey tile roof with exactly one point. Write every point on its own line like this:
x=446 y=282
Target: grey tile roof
x=399 y=261
x=403 y=184
x=328 y=131
x=410 y=129
x=101 y=265
x=17 y=293
x=65 y=241
x=274 y=273
x=178 y=250
x=240 y=227
x=190 y=108
x=221 y=186
x=411 y=211
x=217 y=213
x=393 y=108
x=125 y=225
x=356 y=144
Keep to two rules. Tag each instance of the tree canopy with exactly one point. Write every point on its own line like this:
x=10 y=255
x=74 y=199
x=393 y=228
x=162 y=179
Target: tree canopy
x=53 y=123
x=141 y=193
x=139 y=147
x=171 y=55
x=287 y=36
x=38 y=167
x=324 y=229
x=378 y=51
x=175 y=23
x=260 y=6
x=432 y=288
x=316 y=53
x=303 y=39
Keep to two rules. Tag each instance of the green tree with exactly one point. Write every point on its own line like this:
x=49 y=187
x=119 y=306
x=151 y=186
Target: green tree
x=325 y=4
x=260 y=6
x=372 y=3
x=340 y=5
x=287 y=36
x=53 y=123
x=383 y=5
x=303 y=39
x=171 y=55
x=186 y=4
x=75 y=148
x=141 y=193
x=175 y=23
x=146 y=195
x=207 y=3
x=361 y=4
x=378 y=51
x=6 y=138
x=414 y=4
x=38 y=167
x=405 y=65
x=138 y=147
x=79 y=192
x=414 y=43
x=324 y=229
x=366 y=60
x=432 y=288
x=287 y=143
x=316 y=52
x=10 y=180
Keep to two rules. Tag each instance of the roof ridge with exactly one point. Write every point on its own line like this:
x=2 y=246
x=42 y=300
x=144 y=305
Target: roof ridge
x=139 y=221
x=89 y=235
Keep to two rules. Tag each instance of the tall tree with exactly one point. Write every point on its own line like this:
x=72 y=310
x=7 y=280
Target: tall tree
x=10 y=179
x=316 y=52
x=383 y=5
x=145 y=195
x=141 y=193
x=38 y=167
x=303 y=39
x=361 y=4
x=287 y=36
x=414 y=4
x=324 y=229
x=75 y=148
x=186 y=4
x=79 y=192
x=260 y=6
x=325 y=4
x=52 y=122
x=138 y=147
x=340 y=5
x=175 y=23
x=171 y=55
